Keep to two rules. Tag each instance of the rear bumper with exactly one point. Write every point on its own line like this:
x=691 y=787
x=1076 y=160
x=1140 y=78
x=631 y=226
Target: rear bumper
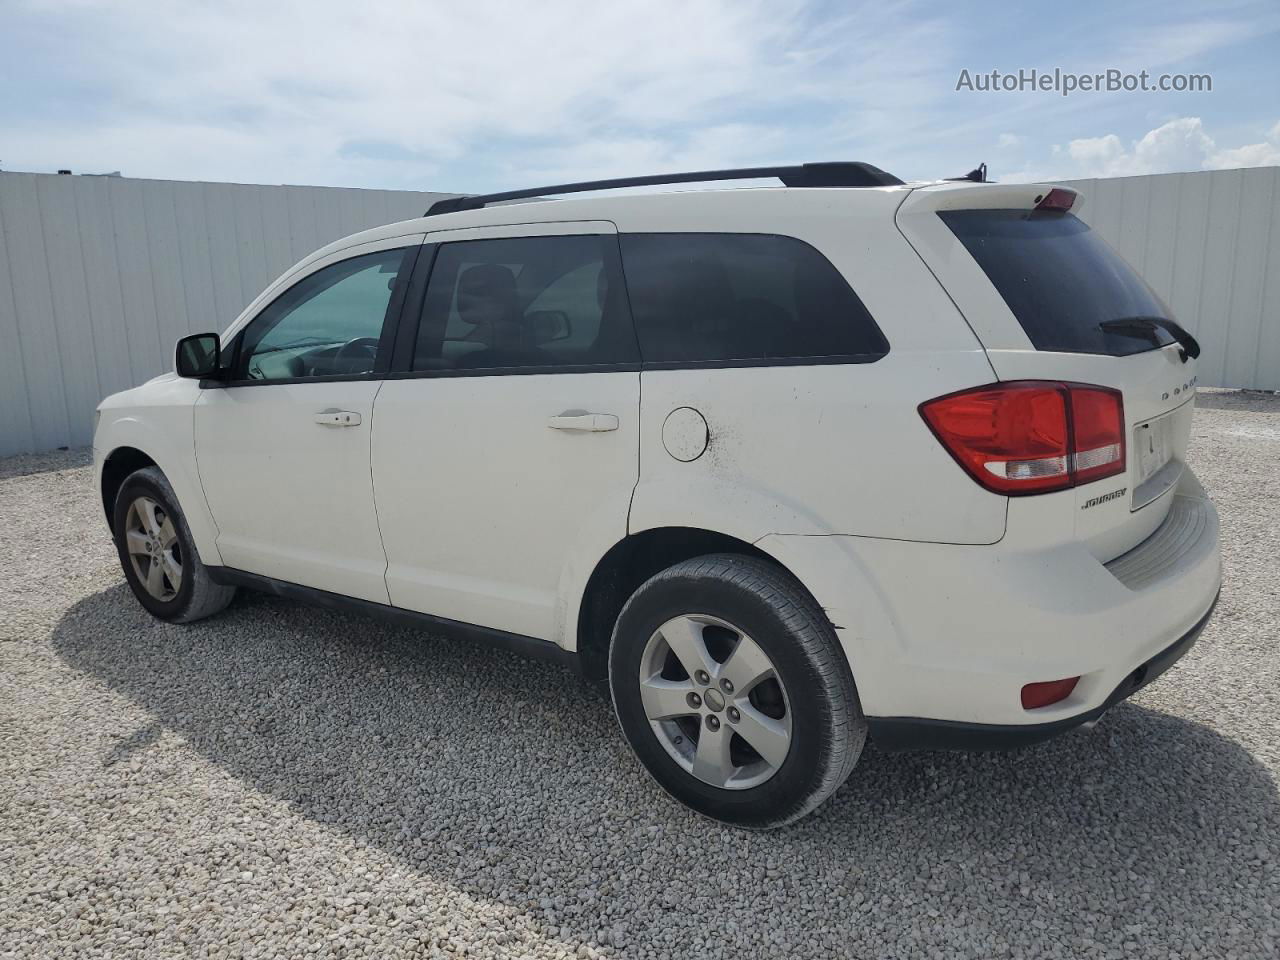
x=948 y=634
x=919 y=733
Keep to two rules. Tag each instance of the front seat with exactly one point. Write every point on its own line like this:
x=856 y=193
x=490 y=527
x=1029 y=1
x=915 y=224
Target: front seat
x=488 y=300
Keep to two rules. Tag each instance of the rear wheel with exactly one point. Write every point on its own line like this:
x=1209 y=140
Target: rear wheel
x=732 y=690
x=158 y=555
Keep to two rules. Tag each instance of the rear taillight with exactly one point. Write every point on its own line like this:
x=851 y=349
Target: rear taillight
x=1031 y=436
x=1097 y=433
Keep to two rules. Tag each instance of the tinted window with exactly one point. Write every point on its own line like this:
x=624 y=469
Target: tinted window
x=328 y=324
x=525 y=302
x=722 y=296
x=1060 y=279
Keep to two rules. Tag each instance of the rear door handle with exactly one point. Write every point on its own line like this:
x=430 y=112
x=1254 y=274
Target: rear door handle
x=338 y=418
x=584 y=422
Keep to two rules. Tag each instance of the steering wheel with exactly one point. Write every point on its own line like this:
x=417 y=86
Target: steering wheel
x=361 y=348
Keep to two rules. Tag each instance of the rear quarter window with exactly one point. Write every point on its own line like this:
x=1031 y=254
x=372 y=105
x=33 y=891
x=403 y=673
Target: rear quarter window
x=1059 y=279
x=716 y=297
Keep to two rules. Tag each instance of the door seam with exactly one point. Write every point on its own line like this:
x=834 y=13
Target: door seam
x=373 y=488
x=195 y=457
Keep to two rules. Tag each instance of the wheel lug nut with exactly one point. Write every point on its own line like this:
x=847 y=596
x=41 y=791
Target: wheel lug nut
x=733 y=714
x=694 y=700
x=702 y=677
x=726 y=685
x=713 y=723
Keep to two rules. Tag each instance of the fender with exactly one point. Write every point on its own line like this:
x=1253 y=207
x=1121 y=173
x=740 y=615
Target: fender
x=659 y=504
x=745 y=513
x=832 y=569
x=162 y=427
x=827 y=565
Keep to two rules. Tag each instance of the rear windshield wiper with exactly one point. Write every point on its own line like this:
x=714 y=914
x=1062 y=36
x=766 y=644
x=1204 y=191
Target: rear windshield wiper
x=1146 y=327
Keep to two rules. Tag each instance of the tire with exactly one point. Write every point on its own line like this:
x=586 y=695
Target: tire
x=168 y=548
x=710 y=605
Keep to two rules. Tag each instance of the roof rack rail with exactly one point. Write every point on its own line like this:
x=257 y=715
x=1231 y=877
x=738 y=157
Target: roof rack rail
x=842 y=174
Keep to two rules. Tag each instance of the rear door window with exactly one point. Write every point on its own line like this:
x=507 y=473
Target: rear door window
x=1061 y=280
x=717 y=297
x=525 y=302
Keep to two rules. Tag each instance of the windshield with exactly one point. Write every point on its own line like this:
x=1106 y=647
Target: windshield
x=1062 y=281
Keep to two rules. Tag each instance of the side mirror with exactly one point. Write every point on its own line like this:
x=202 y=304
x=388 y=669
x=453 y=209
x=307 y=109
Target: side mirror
x=198 y=356
x=549 y=325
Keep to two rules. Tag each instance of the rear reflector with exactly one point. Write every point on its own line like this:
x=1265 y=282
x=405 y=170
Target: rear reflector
x=1031 y=436
x=1043 y=694
x=1057 y=199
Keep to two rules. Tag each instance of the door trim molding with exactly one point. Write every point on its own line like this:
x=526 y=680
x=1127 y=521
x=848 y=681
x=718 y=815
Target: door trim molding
x=514 y=642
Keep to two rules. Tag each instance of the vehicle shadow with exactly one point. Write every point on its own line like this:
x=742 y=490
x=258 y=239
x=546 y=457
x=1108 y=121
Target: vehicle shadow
x=382 y=733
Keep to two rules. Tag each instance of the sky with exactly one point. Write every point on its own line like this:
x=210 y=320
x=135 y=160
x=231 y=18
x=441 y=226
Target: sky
x=477 y=96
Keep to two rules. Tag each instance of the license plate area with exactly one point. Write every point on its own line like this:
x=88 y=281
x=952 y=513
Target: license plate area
x=1155 y=470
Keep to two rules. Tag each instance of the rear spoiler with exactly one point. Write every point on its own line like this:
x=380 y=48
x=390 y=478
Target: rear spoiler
x=964 y=194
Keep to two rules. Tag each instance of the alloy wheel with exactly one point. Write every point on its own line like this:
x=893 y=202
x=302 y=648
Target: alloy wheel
x=715 y=701
x=155 y=552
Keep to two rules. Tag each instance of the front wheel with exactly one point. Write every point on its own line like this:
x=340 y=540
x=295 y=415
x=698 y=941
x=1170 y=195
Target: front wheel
x=158 y=555
x=733 y=691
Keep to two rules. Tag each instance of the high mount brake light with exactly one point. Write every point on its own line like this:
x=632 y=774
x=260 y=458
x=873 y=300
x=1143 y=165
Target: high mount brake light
x=1057 y=199
x=1031 y=436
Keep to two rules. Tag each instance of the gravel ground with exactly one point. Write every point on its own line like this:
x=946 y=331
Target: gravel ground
x=282 y=781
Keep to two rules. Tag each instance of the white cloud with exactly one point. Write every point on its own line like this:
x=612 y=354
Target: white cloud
x=1251 y=155
x=1154 y=44
x=1177 y=146
x=485 y=95
x=331 y=92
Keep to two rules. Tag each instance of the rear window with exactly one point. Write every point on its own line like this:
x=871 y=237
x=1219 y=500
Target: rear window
x=1060 y=280
x=707 y=297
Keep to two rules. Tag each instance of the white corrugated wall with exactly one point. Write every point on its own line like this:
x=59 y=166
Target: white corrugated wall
x=100 y=275
x=1209 y=243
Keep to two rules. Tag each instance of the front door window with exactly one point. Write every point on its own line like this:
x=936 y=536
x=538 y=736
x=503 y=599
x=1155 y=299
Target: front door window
x=327 y=325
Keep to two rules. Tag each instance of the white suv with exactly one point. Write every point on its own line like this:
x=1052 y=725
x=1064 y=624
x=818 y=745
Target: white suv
x=784 y=467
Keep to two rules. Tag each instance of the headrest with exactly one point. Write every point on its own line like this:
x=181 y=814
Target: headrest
x=487 y=280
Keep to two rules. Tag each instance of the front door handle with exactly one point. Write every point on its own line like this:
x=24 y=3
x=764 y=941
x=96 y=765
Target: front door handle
x=338 y=418
x=583 y=422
